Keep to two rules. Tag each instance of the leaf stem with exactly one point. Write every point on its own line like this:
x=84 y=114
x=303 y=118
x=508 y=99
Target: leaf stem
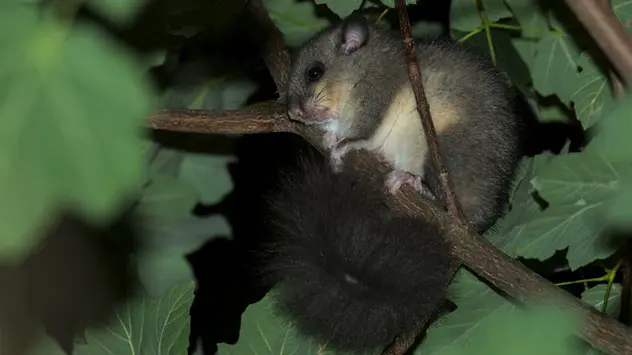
x=469 y=35
x=486 y=25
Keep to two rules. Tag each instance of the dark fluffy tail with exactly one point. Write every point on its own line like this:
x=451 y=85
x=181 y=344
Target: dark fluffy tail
x=347 y=270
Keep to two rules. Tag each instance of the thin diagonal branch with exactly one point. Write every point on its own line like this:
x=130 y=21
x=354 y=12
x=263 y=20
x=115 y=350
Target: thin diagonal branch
x=424 y=111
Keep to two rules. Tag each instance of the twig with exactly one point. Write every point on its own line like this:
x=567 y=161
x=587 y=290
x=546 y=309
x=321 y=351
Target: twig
x=405 y=341
x=610 y=35
x=424 y=111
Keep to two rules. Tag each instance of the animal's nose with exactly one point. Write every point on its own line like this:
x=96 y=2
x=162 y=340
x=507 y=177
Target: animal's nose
x=295 y=107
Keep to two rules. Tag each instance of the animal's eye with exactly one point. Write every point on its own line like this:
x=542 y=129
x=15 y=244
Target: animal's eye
x=315 y=72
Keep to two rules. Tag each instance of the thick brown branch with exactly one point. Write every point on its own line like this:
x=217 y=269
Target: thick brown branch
x=478 y=254
x=484 y=259
x=260 y=119
x=602 y=24
x=423 y=108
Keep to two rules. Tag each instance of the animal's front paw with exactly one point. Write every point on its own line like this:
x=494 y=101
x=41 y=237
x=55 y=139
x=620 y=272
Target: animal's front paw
x=330 y=140
x=397 y=178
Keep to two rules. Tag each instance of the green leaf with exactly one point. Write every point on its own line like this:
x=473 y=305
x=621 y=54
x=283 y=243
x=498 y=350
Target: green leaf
x=551 y=112
x=426 y=28
x=536 y=330
x=533 y=21
x=121 y=11
x=559 y=68
x=613 y=142
x=592 y=93
x=165 y=245
x=342 y=8
x=529 y=14
x=623 y=10
x=464 y=15
x=555 y=66
x=145 y=326
x=166 y=161
x=578 y=188
x=64 y=96
x=595 y=297
x=612 y=138
x=296 y=19
x=476 y=303
x=391 y=3
x=617 y=213
x=25 y=209
x=507 y=233
x=220 y=93
x=507 y=58
x=167 y=198
x=263 y=331
x=208 y=174
x=483 y=317
x=527 y=50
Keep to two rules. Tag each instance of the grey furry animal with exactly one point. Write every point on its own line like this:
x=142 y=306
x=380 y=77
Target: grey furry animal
x=348 y=271
x=352 y=80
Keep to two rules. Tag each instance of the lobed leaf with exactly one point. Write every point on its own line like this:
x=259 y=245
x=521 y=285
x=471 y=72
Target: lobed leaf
x=263 y=331
x=595 y=296
x=577 y=187
x=464 y=15
x=342 y=8
x=555 y=66
x=530 y=14
x=208 y=174
x=391 y=3
x=64 y=95
x=296 y=19
x=613 y=143
x=167 y=198
x=121 y=11
x=145 y=326
x=536 y=330
x=162 y=261
x=476 y=304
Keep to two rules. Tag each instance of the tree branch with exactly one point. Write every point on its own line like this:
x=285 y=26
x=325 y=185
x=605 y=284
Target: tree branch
x=610 y=35
x=264 y=118
x=454 y=207
x=476 y=253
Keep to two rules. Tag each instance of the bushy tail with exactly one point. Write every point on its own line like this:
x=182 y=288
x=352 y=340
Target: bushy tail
x=347 y=270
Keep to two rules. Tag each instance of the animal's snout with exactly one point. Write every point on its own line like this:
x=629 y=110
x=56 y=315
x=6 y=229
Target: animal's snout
x=296 y=109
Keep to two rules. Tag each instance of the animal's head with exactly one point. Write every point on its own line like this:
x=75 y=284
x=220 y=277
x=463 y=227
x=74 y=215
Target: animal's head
x=323 y=70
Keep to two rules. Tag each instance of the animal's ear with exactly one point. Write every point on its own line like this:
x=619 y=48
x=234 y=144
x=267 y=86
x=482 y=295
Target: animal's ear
x=355 y=33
